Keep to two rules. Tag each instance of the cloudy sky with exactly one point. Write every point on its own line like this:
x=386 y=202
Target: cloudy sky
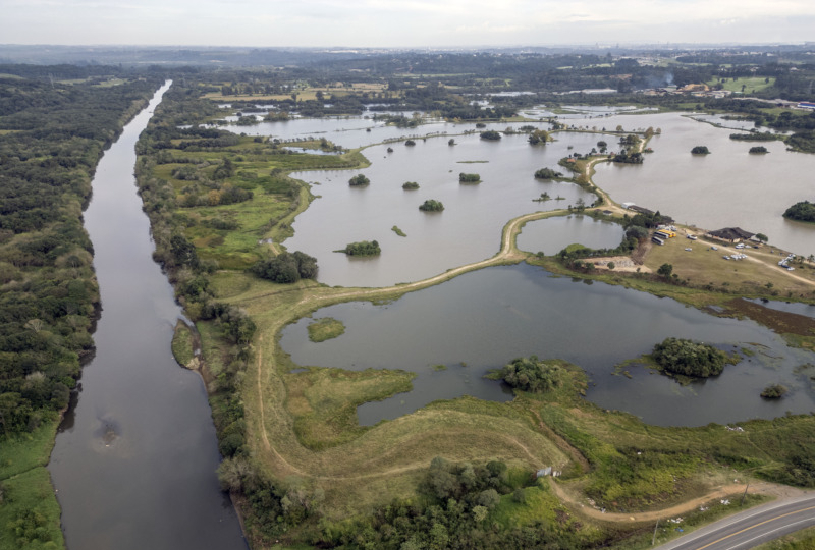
x=403 y=23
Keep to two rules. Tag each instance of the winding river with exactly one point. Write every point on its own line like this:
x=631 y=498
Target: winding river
x=135 y=457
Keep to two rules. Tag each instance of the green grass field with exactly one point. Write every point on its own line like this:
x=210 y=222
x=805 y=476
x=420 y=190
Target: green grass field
x=29 y=512
x=750 y=84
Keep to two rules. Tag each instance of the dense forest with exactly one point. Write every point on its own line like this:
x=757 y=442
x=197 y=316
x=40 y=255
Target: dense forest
x=52 y=135
x=51 y=138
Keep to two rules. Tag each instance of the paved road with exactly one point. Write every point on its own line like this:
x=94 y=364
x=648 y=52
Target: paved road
x=752 y=527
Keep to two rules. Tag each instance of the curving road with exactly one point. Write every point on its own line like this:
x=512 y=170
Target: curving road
x=752 y=527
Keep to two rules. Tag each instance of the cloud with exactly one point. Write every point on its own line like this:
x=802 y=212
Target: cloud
x=412 y=23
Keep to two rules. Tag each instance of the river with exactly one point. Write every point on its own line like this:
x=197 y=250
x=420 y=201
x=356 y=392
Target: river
x=135 y=457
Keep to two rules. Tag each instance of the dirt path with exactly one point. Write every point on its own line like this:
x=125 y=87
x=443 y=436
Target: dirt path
x=582 y=505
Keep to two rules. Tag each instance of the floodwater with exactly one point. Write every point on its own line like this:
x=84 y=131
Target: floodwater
x=482 y=320
x=551 y=235
x=135 y=458
x=467 y=231
x=727 y=188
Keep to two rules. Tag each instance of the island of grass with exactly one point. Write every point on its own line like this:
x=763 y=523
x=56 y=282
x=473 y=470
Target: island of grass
x=431 y=205
x=410 y=185
x=183 y=345
x=801 y=211
x=700 y=150
x=325 y=329
x=760 y=150
x=681 y=356
x=359 y=179
x=468 y=178
x=547 y=174
x=362 y=248
x=398 y=231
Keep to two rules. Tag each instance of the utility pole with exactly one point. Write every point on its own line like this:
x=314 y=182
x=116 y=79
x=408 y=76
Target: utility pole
x=745 y=493
x=654 y=538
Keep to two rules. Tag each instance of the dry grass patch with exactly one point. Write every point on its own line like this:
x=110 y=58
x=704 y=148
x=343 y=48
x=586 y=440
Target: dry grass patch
x=702 y=265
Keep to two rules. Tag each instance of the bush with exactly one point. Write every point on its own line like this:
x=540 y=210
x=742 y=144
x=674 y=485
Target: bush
x=688 y=358
x=760 y=150
x=490 y=135
x=410 y=185
x=547 y=174
x=774 y=391
x=802 y=211
x=287 y=268
x=468 y=178
x=360 y=179
x=431 y=206
x=362 y=248
x=700 y=150
x=531 y=374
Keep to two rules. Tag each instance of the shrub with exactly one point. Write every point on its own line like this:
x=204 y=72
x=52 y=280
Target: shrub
x=531 y=374
x=773 y=391
x=689 y=358
x=490 y=135
x=362 y=248
x=700 y=150
x=468 y=178
x=547 y=174
x=359 y=179
x=287 y=268
x=431 y=206
x=410 y=185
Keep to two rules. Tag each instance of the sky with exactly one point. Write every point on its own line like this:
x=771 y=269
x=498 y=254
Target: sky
x=404 y=23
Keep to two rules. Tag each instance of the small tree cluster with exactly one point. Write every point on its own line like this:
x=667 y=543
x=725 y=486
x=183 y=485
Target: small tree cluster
x=538 y=137
x=689 y=358
x=547 y=174
x=431 y=206
x=410 y=185
x=531 y=374
x=359 y=179
x=490 y=135
x=287 y=268
x=773 y=391
x=362 y=248
x=468 y=178
x=700 y=150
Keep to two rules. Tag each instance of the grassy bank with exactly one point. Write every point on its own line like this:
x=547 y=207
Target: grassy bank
x=30 y=513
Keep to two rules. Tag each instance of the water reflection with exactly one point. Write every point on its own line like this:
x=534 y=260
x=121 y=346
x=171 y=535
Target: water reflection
x=486 y=318
x=135 y=458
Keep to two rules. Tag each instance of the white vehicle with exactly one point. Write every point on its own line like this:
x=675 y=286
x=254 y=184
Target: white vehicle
x=790 y=268
x=688 y=249
x=739 y=246
x=692 y=237
x=713 y=248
